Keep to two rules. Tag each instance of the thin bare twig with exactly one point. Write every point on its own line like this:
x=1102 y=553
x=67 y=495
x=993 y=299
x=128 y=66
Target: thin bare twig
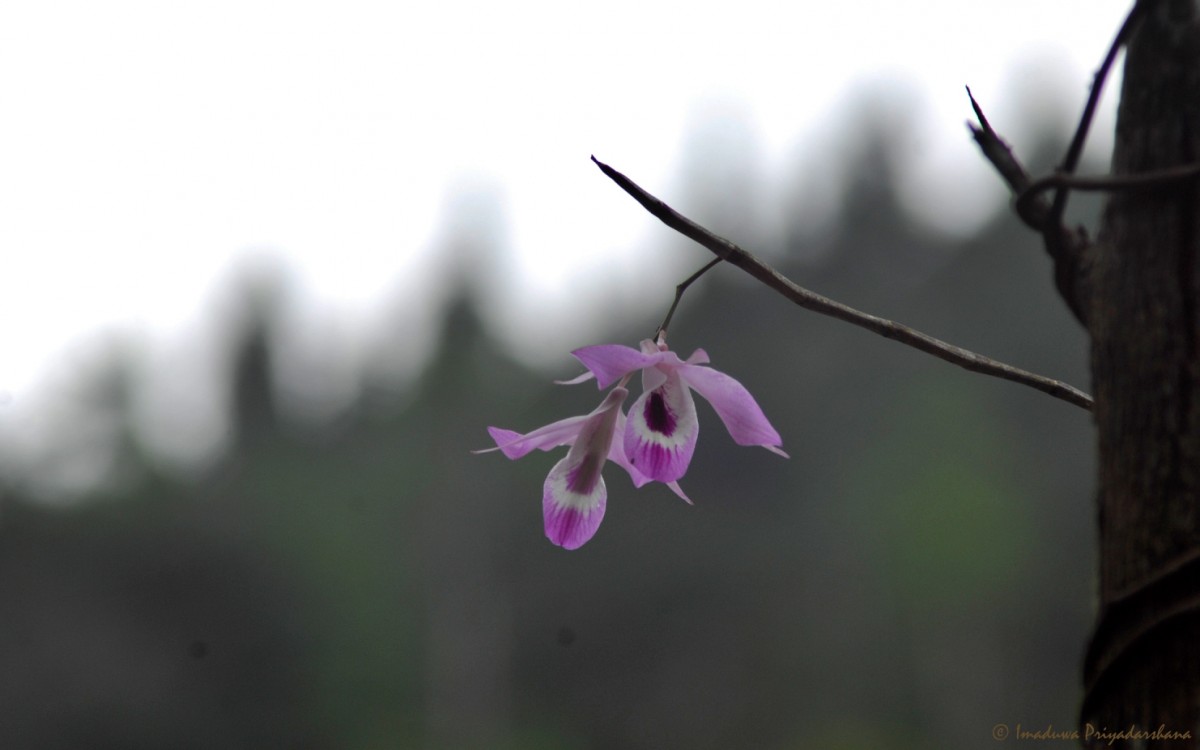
x=1065 y=247
x=1159 y=178
x=680 y=288
x=1068 y=248
x=1075 y=150
x=731 y=253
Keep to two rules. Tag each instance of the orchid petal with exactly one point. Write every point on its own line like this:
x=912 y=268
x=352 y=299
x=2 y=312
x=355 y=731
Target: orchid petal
x=502 y=437
x=653 y=377
x=611 y=362
x=661 y=431
x=666 y=363
x=699 y=357
x=514 y=444
x=571 y=516
x=563 y=432
x=735 y=406
x=573 y=497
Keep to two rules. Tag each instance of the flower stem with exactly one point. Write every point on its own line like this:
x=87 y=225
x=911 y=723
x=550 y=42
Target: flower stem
x=679 y=290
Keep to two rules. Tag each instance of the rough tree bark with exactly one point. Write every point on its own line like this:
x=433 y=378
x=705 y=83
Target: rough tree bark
x=1139 y=286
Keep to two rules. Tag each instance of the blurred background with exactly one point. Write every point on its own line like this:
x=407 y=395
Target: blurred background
x=272 y=269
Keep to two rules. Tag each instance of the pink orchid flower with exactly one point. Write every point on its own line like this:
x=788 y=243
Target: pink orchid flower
x=574 y=495
x=660 y=435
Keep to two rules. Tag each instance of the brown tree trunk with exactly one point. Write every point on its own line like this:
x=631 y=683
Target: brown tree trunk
x=1141 y=289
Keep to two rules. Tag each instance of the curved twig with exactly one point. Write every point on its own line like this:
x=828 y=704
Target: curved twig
x=1160 y=178
x=731 y=253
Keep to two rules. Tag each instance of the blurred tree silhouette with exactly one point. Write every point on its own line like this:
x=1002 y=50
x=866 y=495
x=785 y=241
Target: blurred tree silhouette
x=908 y=579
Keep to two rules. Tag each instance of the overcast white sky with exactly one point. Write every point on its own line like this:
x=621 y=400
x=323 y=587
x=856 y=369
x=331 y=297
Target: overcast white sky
x=146 y=148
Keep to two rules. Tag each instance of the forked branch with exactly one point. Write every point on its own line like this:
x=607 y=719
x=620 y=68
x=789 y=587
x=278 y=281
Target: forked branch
x=1070 y=249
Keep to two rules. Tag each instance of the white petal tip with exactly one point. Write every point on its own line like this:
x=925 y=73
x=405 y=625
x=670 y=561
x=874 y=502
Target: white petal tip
x=674 y=487
x=576 y=380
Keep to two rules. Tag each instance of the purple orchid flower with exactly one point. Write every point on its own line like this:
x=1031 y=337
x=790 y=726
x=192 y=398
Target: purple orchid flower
x=660 y=434
x=574 y=496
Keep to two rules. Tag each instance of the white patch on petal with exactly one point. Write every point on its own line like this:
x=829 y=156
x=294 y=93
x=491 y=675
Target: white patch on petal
x=576 y=485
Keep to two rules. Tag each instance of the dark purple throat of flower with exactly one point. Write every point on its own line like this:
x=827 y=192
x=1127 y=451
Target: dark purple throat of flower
x=583 y=478
x=659 y=417
x=593 y=444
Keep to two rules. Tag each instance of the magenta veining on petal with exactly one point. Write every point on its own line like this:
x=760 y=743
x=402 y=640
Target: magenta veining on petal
x=570 y=528
x=656 y=459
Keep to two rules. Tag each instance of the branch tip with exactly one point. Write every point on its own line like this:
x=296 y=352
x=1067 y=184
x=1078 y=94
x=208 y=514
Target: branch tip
x=978 y=111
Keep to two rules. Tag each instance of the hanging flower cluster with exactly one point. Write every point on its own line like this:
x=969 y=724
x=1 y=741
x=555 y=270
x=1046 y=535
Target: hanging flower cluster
x=654 y=443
